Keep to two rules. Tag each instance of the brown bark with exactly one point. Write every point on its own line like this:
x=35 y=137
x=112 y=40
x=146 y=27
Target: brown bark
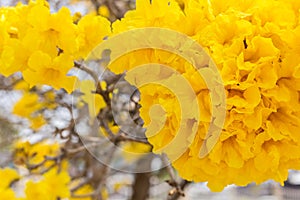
x=141 y=186
x=141 y=183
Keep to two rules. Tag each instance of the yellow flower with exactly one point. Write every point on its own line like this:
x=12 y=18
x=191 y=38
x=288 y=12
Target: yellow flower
x=268 y=12
x=104 y=193
x=21 y=85
x=7 y=194
x=37 y=191
x=37 y=122
x=35 y=153
x=7 y=176
x=21 y=34
x=27 y=105
x=57 y=183
x=81 y=191
x=245 y=6
x=50 y=31
x=255 y=45
x=260 y=48
x=30 y=105
x=15 y=55
x=50 y=71
x=16 y=46
x=134 y=150
x=156 y=13
x=114 y=129
x=52 y=186
x=104 y=11
x=91 y=31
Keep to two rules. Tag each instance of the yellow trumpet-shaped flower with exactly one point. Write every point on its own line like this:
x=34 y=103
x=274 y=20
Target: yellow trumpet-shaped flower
x=52 y=186
x=7 y=194
x=91 y=31
x=50 y=71
x=50 y=32
x=7 y=176
x=27 y=105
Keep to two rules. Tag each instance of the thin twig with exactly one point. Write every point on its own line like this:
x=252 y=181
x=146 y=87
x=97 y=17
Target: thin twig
x=107 y=129
x=81 y=184
x=87 y=70
x=182 y=186
x=96 y=4
x=122 y=137
x=46 y=158
x=99 y=89
x=91 y=194
x=177 y=187
x=82 y=148
x=170 y=170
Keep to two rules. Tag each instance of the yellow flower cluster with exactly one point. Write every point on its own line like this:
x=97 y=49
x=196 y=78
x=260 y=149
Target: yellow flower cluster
x=33 y=154
x=43 y=45
x=86 y=189
x=26 y=108
x=255 y=45
x=52 y=185
x=8 y=176
x=30 y=105
x=131 y=151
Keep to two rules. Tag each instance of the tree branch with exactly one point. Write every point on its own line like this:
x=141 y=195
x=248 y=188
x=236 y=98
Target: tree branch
x=87 y=70
x=177 y=187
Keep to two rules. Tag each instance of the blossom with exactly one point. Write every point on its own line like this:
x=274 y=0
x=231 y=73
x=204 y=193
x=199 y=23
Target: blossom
x=28 y=107
x=104 y=11
x=52 y=186
x=254 y=44
x=86 y=189
x=32 y=154
x=50 y=32
x=53 y=183
x=15 y=47
x=37 y=122
x=36 y=191
x=91 y=31
x=134 y=150
x=8 y=175
x=7 y=194
x=255 y=47
x=57 y=183
x=151 y=13
x=50 y=71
